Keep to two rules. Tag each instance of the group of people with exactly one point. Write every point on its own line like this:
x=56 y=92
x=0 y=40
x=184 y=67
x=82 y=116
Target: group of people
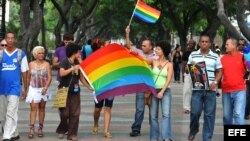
x=227 y=69
x=35 y=79
x=220 y=69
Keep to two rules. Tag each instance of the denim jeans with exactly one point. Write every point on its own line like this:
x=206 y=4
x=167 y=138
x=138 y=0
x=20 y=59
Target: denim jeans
x=234 y=104
x=203 y=100
x=166 y=129
x=139 y=113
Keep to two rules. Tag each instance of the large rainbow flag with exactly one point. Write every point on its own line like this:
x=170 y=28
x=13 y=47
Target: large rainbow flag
x=146 y=13
x=113 y=70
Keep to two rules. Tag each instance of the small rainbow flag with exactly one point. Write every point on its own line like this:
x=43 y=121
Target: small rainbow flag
x=146 y=13
x=113 y=70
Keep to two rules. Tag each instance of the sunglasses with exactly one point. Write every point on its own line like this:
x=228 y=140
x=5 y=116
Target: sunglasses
x=4 y=45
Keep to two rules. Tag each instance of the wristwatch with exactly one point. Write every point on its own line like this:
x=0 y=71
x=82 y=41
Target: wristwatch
x=215 y=82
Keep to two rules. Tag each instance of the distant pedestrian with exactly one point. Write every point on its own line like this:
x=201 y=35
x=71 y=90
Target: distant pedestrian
x=187 y=87
x=3 y=44
x=241 y=46
x=60 y=52
x=86 y=49
x=176 y=59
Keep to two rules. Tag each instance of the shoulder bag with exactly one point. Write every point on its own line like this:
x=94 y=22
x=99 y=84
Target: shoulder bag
x=61 y=96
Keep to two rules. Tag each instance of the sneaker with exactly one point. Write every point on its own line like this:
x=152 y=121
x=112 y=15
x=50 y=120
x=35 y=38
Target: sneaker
x=135 y=133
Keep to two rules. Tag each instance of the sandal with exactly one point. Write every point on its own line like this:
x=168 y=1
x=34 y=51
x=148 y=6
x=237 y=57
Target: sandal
x=95 y=130
x=40 y=130
x=107 y=135
x=31 y=133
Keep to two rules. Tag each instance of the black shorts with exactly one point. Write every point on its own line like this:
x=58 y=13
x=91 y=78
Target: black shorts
x=108 y=102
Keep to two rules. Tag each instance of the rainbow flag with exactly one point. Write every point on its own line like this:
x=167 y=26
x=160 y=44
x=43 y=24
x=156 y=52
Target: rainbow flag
x=113 y=71
x=146 y=13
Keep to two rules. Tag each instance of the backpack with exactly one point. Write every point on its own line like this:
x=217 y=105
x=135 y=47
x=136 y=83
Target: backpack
x=19 y=56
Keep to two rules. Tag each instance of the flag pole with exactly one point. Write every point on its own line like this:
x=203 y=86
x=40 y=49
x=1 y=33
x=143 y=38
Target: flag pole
x=84 y=74
x=133 y=14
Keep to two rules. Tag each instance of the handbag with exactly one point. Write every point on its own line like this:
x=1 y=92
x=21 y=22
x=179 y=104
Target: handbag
x=61 y=97
x=147 y=98
x=148 y=95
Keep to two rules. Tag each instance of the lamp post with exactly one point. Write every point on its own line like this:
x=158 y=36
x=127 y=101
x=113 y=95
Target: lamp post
x=3 y=28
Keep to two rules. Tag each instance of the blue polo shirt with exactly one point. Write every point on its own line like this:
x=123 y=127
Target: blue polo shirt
x=212 y=61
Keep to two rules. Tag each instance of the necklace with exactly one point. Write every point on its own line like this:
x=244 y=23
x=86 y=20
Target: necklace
x=159 y=66
x=39 y=64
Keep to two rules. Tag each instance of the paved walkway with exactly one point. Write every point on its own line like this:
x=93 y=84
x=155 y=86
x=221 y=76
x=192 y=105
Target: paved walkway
x=122 y=119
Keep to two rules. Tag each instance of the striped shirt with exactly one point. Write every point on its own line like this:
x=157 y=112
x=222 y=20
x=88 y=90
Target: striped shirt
x=212 y=61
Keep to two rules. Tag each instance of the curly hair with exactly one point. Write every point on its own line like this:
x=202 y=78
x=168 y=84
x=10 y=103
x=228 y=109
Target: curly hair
x=165 y=46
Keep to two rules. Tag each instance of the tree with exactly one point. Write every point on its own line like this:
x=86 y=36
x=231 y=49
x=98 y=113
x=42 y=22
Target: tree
x=31 y=14
x=241 y=12
x=183 y=16
x=3 y=28
x=72 y=14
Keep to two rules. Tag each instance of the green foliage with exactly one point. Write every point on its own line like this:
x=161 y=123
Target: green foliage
x=14 y=19
x=50 y=19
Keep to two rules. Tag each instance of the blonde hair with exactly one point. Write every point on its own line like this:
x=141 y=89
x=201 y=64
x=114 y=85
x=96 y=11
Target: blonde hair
x=35 y=49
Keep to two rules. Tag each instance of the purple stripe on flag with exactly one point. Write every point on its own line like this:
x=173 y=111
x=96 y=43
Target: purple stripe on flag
x=128 y=89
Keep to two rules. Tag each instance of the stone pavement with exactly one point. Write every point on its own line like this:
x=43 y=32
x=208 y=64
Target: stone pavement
x=122 y=119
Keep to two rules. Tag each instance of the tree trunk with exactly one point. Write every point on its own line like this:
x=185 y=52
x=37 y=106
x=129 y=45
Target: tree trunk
x=63 y=20
x=30 y=26
x=242 y=6
x=3 y=27
x=225 y=21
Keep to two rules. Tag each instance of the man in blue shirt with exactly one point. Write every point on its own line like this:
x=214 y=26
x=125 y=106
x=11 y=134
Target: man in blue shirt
x=10 y=86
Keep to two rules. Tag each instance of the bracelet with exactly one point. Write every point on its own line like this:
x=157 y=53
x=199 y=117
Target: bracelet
x=45 y=88
x=215 y=82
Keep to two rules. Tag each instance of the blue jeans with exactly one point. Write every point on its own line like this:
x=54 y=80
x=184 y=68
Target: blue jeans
x=139 y=113
x=234 y=104
x=166 y=129
x=203 y=100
